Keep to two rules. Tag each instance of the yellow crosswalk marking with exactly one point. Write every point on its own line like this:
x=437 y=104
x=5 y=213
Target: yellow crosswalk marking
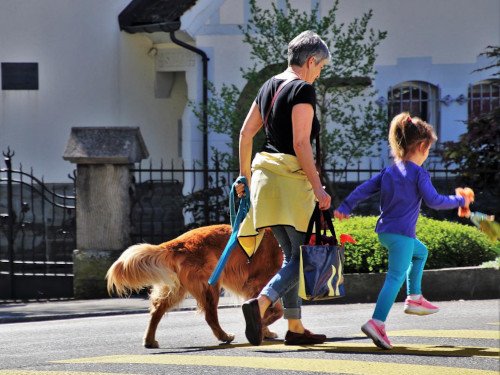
x=328 y=366
x=459 y=333
x=316 y=365
x=407 y=349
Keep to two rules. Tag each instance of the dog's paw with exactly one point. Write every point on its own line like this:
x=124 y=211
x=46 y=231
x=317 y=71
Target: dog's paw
x=267 y=334
x=151 y=345
x=227 y=338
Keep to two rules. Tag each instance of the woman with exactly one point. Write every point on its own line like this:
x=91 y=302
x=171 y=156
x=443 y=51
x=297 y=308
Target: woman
x=284 y=183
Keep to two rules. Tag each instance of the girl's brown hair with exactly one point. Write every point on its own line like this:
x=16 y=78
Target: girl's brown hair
x=407 y=133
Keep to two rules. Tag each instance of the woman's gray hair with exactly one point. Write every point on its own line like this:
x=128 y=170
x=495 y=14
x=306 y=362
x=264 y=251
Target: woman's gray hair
x=307 y=44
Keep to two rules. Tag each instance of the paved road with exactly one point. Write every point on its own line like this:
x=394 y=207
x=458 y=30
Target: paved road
x=463 y=338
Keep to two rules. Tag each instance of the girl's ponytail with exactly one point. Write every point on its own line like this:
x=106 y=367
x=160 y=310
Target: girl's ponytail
x=406 y=133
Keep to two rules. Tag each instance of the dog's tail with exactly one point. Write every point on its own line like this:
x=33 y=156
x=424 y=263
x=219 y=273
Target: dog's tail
x=140 y=266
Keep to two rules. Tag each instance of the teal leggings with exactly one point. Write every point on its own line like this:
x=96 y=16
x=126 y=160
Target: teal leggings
x=407 y=258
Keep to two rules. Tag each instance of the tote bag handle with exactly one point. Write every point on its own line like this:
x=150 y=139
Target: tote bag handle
x=316 y=221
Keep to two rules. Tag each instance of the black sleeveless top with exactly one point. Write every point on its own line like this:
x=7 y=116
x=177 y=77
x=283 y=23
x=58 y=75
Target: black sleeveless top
x=279 y=133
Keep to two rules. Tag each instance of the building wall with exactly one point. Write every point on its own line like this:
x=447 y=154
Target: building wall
x=91 y=74
x=76 y=48
x=157 y=117
x=432 y=41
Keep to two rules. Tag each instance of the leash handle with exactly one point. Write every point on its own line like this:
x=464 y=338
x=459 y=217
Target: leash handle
x=236 y=219
x=245 y=200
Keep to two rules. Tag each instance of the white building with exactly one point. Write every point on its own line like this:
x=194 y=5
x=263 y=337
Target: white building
x=85 y=71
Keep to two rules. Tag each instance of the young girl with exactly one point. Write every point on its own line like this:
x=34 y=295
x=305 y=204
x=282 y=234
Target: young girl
x=402 y=187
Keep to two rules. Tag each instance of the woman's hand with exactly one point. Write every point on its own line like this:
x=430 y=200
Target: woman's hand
x=323 y=198
x=240 y=189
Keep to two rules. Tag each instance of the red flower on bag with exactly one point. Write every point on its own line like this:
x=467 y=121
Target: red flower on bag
x=312 y=240
x=346 y=238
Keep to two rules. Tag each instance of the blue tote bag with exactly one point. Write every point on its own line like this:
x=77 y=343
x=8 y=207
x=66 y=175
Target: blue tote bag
x=321 y=272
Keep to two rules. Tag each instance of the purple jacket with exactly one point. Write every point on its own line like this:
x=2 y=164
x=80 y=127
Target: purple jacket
x=402 y=187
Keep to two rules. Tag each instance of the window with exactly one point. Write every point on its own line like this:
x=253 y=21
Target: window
x=484 y=96
x=419 y=98
x=19 y=76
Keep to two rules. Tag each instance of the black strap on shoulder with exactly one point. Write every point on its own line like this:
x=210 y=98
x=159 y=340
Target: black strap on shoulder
x=273 y=100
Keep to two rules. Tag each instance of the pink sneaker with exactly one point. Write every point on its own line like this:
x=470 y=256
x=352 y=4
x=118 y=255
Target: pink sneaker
x=419 y=307
x=377 y=334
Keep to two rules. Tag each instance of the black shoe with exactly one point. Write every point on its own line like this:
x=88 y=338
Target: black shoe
x=306 y=338
x=253 y=321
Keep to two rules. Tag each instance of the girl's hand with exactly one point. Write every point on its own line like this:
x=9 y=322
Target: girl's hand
x=339 y=215
x=467 y=201
x=468 y=195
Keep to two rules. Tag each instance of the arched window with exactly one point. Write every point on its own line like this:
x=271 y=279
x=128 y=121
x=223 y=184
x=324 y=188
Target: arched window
x=484 y=97
x=417 y=97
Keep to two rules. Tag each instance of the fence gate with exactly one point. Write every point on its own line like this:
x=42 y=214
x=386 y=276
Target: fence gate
x=164 y=195
x=37 y=236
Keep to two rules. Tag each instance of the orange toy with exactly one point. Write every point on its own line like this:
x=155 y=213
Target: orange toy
x=466 y=193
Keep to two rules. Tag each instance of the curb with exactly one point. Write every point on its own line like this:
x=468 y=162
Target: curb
x=91 y=314
x=41 y=318
x=444 y=284
x=469 y=283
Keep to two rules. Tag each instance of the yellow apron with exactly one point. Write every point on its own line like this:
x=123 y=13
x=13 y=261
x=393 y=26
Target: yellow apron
x=280 y=194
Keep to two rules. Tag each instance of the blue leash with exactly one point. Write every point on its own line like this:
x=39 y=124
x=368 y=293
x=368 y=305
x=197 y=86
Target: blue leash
x=236 y=219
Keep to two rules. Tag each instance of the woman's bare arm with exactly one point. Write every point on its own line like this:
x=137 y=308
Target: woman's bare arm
x=302 y=116
x=251 y=125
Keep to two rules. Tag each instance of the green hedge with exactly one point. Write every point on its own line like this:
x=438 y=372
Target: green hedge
x=450 y=244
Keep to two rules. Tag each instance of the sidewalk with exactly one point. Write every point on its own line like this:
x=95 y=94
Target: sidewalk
x=53 y=310
x=468 y=283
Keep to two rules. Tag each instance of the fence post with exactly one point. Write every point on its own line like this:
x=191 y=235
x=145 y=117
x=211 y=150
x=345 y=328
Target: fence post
x=10 y=222
x=103 y=156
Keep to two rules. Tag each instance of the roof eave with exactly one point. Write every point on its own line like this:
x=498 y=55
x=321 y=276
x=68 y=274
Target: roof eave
x=151 y=28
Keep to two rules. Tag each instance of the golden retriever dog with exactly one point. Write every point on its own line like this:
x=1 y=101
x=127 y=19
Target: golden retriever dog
x=183 y=266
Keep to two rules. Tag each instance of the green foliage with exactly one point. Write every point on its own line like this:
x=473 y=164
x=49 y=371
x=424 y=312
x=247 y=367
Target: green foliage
x=492 y=264
x=221 y=108
x=360 y=136
x=366 y=255
x=455 y=245
x=222 y=113
x=492 y=52
x=450 y=244
x=344 y=90
x=477 y=152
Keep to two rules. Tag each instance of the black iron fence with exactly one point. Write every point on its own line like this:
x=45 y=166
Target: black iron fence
x=37 y=235
x=169 y=200
x=38 y=224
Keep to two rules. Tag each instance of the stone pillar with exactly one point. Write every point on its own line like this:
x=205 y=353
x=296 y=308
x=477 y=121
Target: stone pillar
x=103 y=156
